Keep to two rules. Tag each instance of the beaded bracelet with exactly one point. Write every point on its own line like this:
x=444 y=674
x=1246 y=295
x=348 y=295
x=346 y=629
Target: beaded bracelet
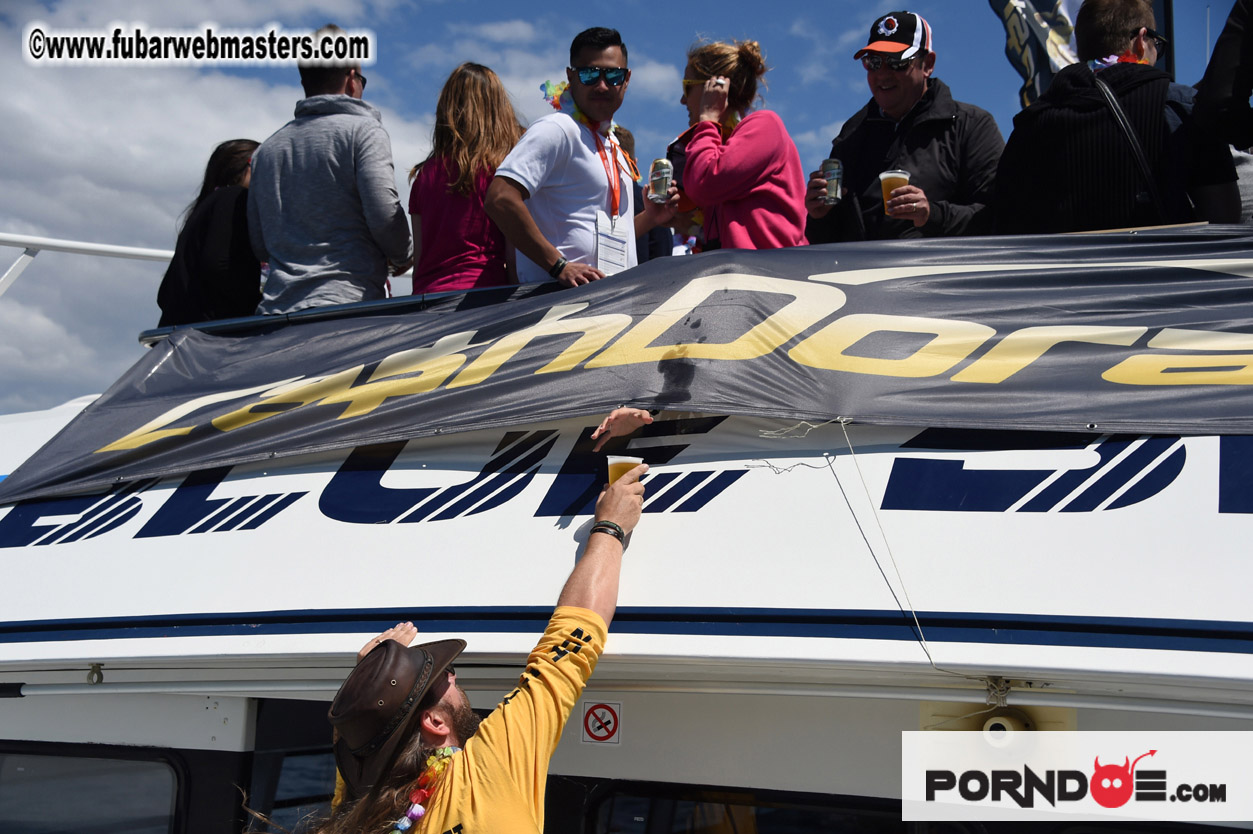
x=554 y=271
x=611 y=529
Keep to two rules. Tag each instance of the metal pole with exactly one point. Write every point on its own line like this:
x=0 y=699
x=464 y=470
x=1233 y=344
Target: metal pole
x=23 y=261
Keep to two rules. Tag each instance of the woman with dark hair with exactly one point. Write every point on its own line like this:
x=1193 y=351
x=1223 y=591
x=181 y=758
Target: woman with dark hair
x=456 y=246
x=214 y=273
x=741 y=168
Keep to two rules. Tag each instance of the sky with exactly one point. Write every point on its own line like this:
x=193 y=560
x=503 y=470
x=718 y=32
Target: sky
x=113 y=154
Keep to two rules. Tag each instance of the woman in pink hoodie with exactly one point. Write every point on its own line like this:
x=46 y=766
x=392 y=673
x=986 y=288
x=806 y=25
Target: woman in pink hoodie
x=740 y=167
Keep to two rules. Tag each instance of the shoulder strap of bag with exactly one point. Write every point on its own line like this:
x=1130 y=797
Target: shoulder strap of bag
x=1133 y=141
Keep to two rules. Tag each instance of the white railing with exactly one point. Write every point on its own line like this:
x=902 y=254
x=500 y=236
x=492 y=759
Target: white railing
x=33 y=245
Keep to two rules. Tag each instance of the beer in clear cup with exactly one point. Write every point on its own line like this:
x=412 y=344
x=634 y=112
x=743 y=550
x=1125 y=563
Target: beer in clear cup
x=619 y=465
x=890 y=181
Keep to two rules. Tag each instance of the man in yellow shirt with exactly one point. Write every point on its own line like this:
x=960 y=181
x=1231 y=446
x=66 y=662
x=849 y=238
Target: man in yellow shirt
x=409 y=748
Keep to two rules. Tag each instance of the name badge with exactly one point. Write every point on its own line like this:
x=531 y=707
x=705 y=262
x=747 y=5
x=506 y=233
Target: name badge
x=611 y=244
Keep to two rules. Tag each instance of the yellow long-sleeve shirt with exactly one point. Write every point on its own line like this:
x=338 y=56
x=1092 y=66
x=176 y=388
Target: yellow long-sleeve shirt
x=496 y=784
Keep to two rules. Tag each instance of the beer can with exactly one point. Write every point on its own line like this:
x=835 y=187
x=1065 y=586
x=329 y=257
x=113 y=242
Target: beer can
x=660 y=174
x=833 y=173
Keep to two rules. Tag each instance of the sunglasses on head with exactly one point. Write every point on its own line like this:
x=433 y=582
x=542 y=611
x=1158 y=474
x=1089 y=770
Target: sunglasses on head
x=873 y=61
x=614 y=76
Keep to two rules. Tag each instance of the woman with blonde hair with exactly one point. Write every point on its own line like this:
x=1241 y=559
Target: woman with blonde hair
x=457 y=247
x=741 y=168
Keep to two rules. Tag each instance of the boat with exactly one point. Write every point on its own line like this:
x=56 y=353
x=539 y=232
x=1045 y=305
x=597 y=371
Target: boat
x=898 y=486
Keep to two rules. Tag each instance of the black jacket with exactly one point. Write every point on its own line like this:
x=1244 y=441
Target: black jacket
x=214 y=273
x=1069 y=167
x=1222 y=99
x=950 y=149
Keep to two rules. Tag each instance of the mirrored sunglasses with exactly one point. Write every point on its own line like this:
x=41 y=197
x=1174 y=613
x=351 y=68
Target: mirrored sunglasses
x=614 y=76
x=872 y=62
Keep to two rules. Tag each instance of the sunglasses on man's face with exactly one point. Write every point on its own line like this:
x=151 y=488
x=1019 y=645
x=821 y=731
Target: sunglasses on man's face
x=872 y=62
x=588 y=76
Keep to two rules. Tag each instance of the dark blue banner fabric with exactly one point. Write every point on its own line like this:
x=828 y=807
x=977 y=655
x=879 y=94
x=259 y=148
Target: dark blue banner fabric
x=1132 y=332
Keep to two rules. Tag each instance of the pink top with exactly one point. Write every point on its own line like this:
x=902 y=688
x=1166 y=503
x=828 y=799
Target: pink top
x=751 y=187
x=461 y=248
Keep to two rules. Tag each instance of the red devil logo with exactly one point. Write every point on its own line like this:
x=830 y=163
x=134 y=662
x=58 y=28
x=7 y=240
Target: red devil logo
x=1111 y=785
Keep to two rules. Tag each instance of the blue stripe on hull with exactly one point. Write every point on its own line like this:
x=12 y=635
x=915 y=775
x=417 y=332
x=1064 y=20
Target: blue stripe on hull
x=996 y=629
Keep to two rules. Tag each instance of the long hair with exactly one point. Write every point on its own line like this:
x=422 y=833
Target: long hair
x=375 y=812
x=388 y=800
x=227 y=165
x=475 y=126
x=742 y=63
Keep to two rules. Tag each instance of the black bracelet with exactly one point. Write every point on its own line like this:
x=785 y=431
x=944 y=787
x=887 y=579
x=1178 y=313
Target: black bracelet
x=554 y=271
x=611 y=529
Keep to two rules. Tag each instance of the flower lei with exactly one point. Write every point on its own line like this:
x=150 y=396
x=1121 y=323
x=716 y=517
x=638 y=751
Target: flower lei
x=436 y=763
x=1128 y=57
x=559 y=96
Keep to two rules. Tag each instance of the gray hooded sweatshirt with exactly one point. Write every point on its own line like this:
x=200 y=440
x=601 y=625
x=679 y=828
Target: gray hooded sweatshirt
x=322 y=207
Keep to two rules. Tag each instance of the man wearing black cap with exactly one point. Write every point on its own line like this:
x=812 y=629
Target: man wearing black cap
x=912 y=123
x=410 y=750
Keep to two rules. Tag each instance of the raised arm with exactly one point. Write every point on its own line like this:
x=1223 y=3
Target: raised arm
x=593 y=584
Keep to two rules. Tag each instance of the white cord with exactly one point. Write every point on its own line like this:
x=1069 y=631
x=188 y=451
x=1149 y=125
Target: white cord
x=922 y=639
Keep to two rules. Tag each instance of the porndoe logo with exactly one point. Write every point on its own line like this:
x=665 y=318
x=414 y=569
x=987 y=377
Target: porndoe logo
x=1110 y=785
x=1037 y=775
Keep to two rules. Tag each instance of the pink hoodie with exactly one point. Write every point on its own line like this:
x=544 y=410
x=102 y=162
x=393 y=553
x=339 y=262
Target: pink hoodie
x=751 y=187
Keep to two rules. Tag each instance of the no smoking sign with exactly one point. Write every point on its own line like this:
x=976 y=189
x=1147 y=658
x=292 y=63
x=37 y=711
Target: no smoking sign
x=601 y=722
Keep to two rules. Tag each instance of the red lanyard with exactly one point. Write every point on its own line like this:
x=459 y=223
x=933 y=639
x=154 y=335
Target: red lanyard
x=611 y=168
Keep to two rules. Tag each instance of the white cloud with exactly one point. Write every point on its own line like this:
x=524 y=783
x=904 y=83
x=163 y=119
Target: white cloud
x=657 y=81
x=47 y=358
x=113 y=155
x=502 y=31
x=815 y=145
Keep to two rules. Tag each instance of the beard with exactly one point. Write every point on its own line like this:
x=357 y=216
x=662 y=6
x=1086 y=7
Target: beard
x=465 y=721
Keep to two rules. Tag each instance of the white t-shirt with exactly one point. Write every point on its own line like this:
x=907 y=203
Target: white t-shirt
x=558 y=164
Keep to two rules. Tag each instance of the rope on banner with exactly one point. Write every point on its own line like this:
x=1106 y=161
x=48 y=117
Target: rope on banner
x=909 y=605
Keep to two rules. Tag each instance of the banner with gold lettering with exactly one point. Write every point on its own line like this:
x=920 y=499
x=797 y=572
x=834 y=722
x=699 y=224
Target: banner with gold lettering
x=1147 y=332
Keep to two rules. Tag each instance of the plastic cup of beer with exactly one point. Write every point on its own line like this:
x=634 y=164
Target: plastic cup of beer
x=890 y=181
x=619 y=465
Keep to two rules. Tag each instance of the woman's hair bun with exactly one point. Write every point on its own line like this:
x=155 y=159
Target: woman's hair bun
x=751 y=57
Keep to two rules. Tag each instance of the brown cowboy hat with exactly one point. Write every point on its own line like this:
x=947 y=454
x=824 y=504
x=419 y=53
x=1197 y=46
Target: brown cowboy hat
x=375 y=711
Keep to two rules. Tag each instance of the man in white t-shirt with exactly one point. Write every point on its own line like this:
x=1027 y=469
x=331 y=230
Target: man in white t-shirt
x=563 y=196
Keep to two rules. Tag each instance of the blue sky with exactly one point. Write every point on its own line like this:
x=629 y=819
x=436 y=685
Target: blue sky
x=113 y=154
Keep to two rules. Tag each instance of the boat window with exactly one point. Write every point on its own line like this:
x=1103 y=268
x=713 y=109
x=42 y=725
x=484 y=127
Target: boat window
x=303 y=794
x=46 y=794
x=713 y=812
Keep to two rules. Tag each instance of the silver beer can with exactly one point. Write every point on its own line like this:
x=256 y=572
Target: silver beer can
x=660 y=175
x=833 y=173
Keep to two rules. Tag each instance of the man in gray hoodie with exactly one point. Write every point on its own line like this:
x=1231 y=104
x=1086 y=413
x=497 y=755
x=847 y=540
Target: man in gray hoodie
x=322 y=208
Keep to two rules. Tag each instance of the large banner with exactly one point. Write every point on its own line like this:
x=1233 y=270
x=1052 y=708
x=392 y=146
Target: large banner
x=1148 y=332
x=1039 y=40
